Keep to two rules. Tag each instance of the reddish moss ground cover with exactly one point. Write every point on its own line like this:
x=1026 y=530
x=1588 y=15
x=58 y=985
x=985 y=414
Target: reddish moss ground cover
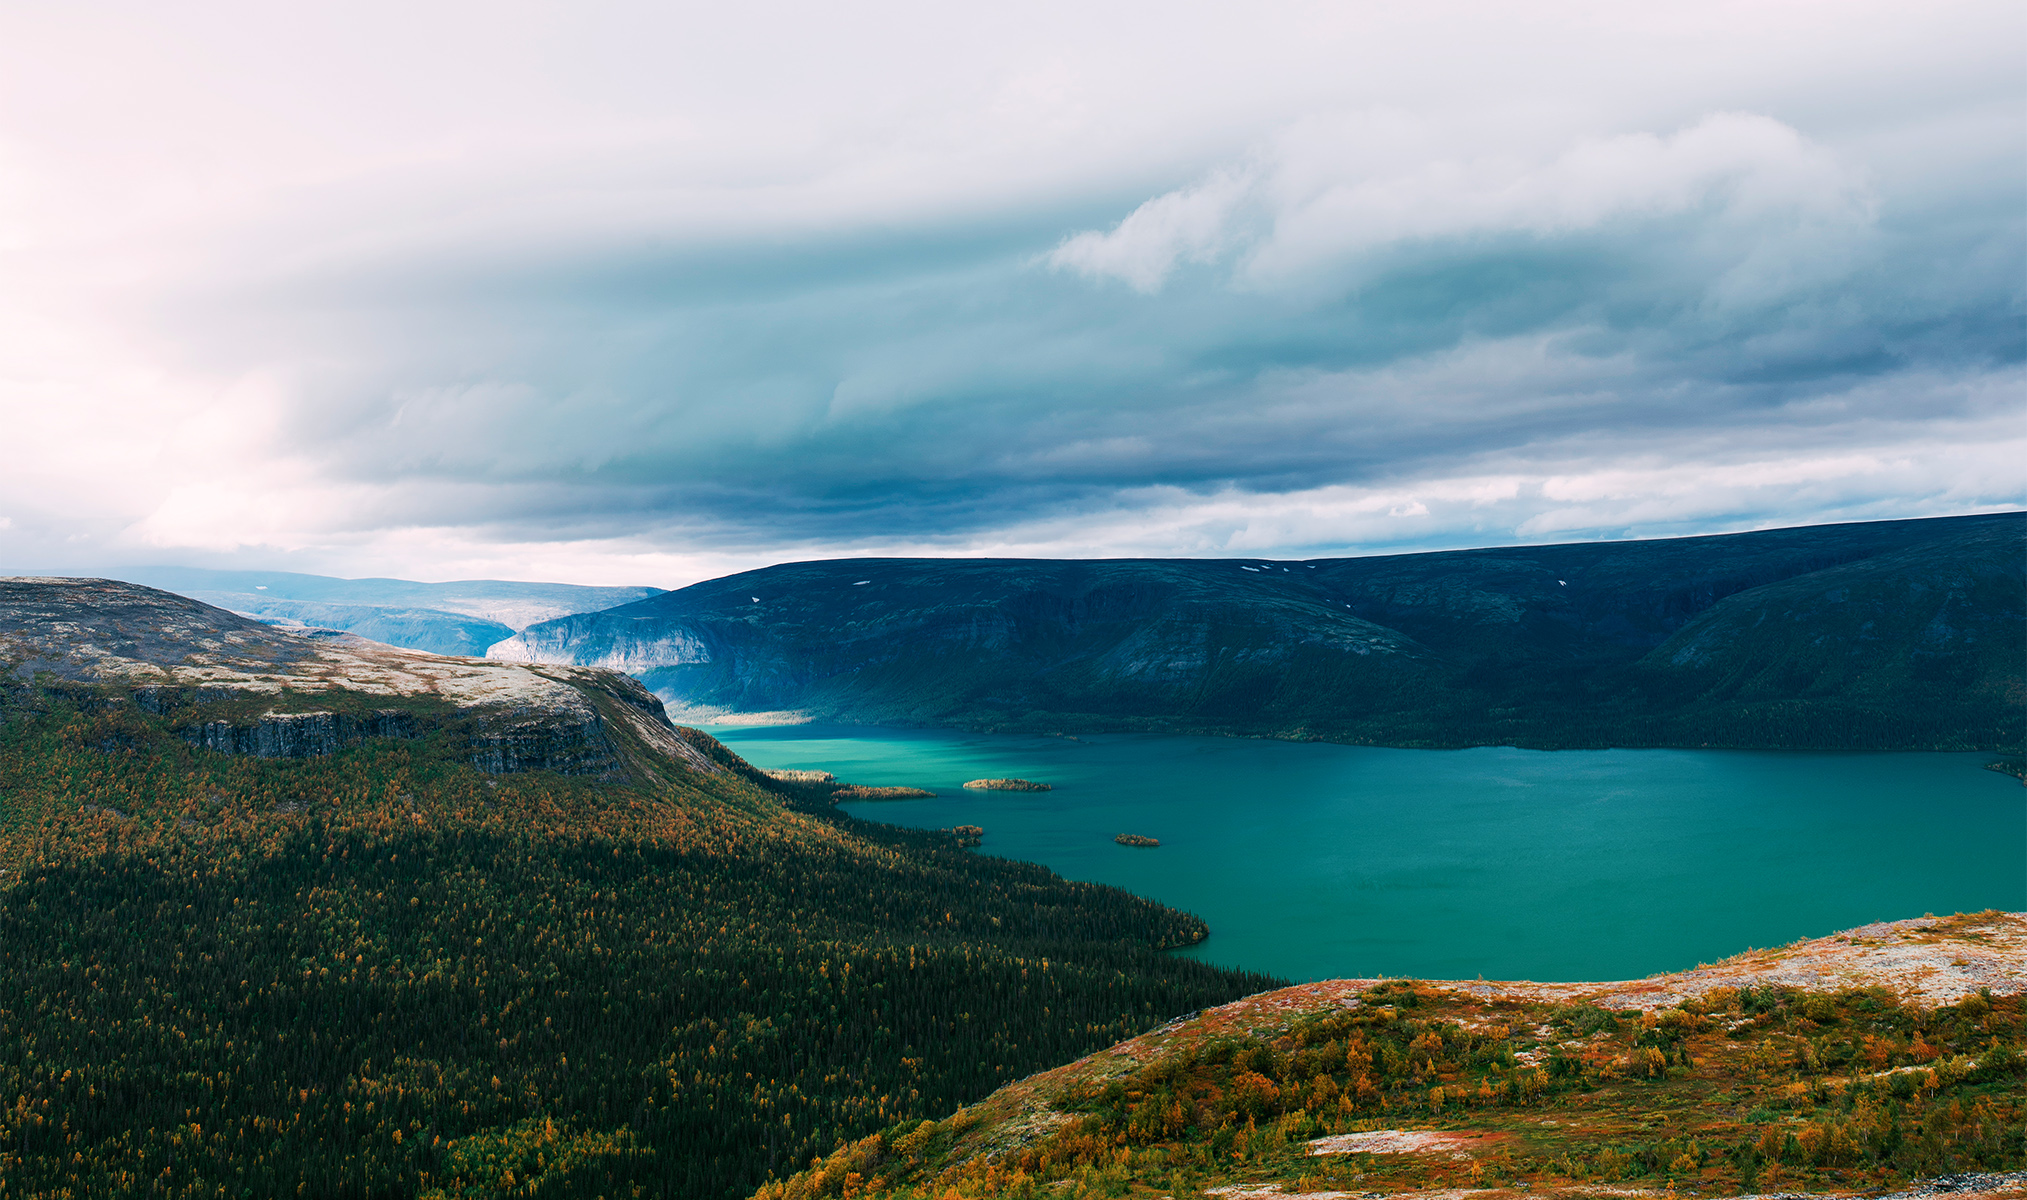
x=1737 y=1089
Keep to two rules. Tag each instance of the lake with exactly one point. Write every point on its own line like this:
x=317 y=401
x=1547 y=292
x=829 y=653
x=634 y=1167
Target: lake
x=1316 y=861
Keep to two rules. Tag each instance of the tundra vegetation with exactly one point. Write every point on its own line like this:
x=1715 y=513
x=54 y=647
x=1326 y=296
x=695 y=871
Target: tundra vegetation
x=380 y=972
x=1740 y=1089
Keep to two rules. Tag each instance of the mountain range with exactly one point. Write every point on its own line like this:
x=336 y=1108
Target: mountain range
x=462 y=617
x=291 y=912
x=1894 y=634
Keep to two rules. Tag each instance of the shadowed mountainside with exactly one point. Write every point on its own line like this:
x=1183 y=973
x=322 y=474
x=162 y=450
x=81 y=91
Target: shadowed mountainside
x=1904 y=634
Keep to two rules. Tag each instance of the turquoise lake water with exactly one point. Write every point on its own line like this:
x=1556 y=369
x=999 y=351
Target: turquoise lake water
x=1316 y=861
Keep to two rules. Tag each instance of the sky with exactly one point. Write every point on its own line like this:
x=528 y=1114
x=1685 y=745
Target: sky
x=621 y=293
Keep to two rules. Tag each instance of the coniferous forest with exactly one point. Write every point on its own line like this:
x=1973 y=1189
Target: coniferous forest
x=381 y=973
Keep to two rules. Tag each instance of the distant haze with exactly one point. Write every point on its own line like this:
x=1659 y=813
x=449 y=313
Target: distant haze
x=644 y=294
x=465 y=617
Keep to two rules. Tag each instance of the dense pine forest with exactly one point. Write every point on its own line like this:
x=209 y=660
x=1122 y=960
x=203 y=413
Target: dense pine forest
x=381 y=973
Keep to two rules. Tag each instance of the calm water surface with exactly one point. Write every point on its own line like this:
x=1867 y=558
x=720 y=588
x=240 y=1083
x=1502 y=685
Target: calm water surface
x=1316 y=861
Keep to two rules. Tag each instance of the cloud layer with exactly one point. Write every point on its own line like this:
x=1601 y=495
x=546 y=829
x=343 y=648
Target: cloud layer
x=646 y=295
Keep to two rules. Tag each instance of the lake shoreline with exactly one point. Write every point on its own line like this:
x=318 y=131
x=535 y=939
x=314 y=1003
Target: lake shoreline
x=1316 y=860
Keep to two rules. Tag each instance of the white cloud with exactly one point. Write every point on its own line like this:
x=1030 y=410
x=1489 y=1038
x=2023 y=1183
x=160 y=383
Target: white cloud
x=1617 y=496
x=1195 y=224
x=1777 y=209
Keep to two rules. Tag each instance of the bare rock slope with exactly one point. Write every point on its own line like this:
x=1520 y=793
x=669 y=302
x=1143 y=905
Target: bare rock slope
x=242 y=687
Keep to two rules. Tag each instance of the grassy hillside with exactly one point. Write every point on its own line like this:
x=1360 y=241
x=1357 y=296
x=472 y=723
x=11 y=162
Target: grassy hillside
x=1907 y=634
x=1865 y=1065
x=381 y=973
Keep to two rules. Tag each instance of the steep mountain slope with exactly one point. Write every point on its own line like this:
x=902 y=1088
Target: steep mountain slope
x=463 y=617
x=289 y=916
x=1906 y=633
x=1844 y=1065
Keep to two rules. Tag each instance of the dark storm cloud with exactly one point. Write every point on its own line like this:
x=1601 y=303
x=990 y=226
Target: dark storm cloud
x=1127 y=281
x=1725 y=286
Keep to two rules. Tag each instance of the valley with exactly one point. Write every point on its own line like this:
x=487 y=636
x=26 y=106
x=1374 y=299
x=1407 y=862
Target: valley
x=289 y=911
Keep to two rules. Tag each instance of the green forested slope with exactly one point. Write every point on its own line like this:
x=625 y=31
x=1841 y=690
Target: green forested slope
x=1897 y=634
x=379 y=973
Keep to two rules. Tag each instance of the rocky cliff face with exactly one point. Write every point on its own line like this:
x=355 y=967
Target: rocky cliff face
x=237 y=686
x=300 y=735
x=1905 y=633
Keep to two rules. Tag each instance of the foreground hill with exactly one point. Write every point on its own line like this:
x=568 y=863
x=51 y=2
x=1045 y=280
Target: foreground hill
x=1851 y=1063
x=462 y=617
x=1900 y=634
x=283 y=916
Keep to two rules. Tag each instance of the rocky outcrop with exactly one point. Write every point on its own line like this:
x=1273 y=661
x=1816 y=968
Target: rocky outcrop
x=300 y=735
x=540 y=744
x=647 y=648
x=236 y=686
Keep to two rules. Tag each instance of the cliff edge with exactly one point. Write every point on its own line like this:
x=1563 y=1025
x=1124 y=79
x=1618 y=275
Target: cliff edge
x=238 y=686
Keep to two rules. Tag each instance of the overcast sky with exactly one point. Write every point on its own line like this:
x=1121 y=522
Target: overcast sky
x=609 y=292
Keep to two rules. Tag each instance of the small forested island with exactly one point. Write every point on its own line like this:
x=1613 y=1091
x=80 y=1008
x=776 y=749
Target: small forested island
x=857 y=792
x=1008 y=785
x=824 y=782
x=1136 y=839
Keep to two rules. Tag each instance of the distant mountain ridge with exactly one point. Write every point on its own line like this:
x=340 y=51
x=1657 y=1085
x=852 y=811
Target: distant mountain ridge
x=1905 y=634
x=463 y=617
